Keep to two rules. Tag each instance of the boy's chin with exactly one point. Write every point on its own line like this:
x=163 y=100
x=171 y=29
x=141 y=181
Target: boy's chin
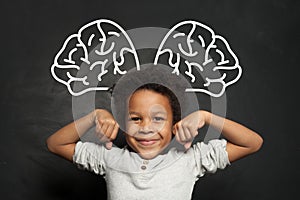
x=148 y=156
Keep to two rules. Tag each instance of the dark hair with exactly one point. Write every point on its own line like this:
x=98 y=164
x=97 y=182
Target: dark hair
x=160 y=89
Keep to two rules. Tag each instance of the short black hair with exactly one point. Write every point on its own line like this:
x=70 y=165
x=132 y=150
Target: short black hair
x=160 y=89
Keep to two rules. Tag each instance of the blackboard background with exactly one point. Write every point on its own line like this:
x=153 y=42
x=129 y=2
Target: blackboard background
x=264 y=34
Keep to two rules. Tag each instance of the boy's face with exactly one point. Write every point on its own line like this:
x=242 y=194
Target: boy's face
x=149 y=124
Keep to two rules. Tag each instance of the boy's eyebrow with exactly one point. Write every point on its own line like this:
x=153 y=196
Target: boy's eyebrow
x=133 y=112
x=157 y=112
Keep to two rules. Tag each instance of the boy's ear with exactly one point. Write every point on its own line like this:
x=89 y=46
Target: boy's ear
x=173 y=130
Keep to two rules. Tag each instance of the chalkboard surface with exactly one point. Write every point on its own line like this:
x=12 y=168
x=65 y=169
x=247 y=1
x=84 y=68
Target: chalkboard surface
x=264 y=35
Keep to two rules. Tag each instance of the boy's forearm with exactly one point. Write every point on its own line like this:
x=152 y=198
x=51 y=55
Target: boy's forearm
x=71 y=133
x=234 y=132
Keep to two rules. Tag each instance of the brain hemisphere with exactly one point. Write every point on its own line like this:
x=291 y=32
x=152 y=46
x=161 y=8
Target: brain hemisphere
x=192 y=49
x=84 y=58
x=200 y=49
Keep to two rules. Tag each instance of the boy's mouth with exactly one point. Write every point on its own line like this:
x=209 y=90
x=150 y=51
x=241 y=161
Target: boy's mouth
x=147 y=142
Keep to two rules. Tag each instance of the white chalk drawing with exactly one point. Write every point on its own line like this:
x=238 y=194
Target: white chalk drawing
x=92 y=60
x=197 y=54
x=205 y=55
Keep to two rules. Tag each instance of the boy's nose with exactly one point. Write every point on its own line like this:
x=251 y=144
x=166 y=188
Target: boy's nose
x=146 y=127
x=145 y=130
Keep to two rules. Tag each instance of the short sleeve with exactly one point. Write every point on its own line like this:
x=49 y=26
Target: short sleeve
x=89 y=156
x=211 y=156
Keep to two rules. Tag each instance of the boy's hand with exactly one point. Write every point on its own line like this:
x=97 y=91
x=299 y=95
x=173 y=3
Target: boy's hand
x=186 y=129
x=106 y=127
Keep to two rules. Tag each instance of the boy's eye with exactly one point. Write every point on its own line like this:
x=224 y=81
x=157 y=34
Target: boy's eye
x=158 y=119
x=135 y=119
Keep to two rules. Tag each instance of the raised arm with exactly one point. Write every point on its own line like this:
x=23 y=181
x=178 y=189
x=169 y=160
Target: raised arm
x=241 y=141
x=64 y=140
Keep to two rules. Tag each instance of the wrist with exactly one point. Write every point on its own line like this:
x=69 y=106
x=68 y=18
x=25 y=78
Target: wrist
x=206 y=116
x=93 y=115
x=98 y=114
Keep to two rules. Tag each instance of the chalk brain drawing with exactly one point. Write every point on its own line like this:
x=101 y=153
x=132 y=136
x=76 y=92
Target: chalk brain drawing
x=190 y=48
x=85 y=56
x=203 y=50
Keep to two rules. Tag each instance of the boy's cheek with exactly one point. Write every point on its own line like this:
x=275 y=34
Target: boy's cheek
x=132 y=129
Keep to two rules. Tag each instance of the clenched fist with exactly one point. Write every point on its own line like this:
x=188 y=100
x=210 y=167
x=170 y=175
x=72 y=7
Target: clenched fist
x=106 y=127
x=187 y=129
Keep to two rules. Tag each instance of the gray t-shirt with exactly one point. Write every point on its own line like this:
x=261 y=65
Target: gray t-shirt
x=169 y=176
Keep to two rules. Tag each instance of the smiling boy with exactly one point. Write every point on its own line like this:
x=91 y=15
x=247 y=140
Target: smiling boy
x=144 y=170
